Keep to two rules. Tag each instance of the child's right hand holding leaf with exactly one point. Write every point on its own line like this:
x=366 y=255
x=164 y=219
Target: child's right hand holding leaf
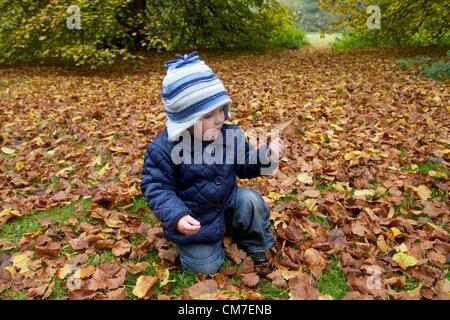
x=188 y=225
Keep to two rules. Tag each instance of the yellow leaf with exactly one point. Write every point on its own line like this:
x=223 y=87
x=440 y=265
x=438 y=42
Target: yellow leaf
x=64 y=271
x=393 y=233
x=404 y=260
x=163 y=275
x=20 y=262
x=274 y=196
x=10 y=213
x=382 y=245
x=305 y=178
x=8 y=150
x=143 y=285
x=437 y=174
x=113 y=223
x=364 y=193
x=11 y=270
x=423 y=192
x=311 y=204
x=352 y=154
x=20 y=165
x=84 y=272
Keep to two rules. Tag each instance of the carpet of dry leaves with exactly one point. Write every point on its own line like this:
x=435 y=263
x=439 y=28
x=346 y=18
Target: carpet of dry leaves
x=360 y=127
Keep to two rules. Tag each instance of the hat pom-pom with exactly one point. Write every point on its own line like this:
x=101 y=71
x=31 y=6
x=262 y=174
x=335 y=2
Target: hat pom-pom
x=183 y=60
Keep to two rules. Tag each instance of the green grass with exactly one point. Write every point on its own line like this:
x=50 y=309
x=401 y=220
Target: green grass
x=317 y=41
x=141 y=211
x=58 y=292
x=322 y=220
x=411 y=283
x=402 y=153
x=14 y=230
x=105 y=256
x=333 y=281
x=269 y=291
x=183 y=280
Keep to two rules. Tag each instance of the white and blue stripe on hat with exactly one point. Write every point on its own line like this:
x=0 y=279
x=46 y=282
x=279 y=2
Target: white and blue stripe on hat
x=190 y=90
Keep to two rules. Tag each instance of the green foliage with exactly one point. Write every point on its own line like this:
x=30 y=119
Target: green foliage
x=404 y=64
x=290 y=38
x=309 y=16
x=408 y=22
x=38 y=29
x=439 y=70
x=111 y=29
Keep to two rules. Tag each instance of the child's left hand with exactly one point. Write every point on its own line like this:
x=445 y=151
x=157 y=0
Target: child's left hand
x=276 y=148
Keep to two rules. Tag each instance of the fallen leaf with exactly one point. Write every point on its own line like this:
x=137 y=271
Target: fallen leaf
x=316 y=262
x=404 y=260
x=249 y=279
x=143 y=285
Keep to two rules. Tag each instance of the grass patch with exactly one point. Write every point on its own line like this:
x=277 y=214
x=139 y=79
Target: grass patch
x=269 y=291
x=320 y=219
x=411 y=283
x=333 y=281
x=105 y=256
x=321 y=40
x=58 y=292
x=13 y=231
x=183 y=280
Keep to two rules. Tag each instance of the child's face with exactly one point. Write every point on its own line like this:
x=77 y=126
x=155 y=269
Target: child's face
x=209 y=128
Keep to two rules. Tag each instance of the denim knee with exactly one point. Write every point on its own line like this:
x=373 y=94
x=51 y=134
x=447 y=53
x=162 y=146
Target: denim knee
x=248 y=197
x=202 y=258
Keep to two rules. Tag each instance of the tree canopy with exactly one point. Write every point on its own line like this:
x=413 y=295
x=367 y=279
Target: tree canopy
x=111 y=28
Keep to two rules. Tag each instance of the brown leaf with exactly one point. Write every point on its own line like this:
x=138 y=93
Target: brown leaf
x=202 y=288
x=169 y=255
x=312 y=193
x=249 y=279
x=51 y=249
x=247 y=266
x=78 y=244
x=104 y=244
x=301 y=288
x=316 y=262
x=138 y=267
x=358 y=228
x=121 y=248
x=235 y=254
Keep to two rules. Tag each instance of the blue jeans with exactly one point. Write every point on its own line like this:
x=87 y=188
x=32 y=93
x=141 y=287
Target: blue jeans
x=249 y=226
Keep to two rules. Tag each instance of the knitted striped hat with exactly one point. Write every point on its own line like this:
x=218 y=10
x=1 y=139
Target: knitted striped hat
x=190 y=90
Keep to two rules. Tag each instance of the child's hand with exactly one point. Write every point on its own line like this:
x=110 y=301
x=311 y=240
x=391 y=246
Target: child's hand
x=188 y=225
x=276 y=148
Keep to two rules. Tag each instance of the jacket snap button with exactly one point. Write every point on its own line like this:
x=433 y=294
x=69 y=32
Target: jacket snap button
x=218 y=180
